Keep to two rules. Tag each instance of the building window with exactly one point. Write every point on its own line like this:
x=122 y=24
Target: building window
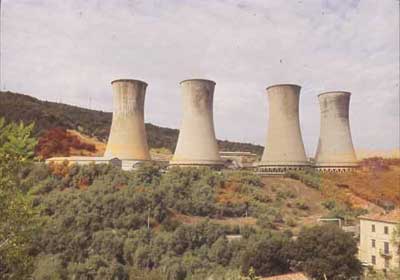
x=373 y=228
x=373 y=243
x=373 y=260
x=386 y=248
x=387 y=263
x=386 y=230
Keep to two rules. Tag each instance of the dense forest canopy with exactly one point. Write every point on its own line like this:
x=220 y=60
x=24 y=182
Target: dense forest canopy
x=105 y=223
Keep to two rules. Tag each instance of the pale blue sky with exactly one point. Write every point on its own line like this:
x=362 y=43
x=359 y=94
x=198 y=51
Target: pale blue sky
x=69 y=51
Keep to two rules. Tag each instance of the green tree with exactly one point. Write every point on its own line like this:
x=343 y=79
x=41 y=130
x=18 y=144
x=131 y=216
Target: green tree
x=326 y=251
x=265 y=256
x=252 y=274
x=17 y=216
x=49 y=267
x=16 y=150
x=220 y=252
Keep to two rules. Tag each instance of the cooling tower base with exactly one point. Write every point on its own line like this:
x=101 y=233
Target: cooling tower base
x=336 y=168
x=279 y=169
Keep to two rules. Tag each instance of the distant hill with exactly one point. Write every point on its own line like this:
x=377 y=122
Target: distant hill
x=388 y=153
x=47 y=115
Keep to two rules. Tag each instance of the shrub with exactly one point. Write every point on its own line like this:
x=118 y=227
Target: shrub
x=302 y=205
x=246 y=178
x=291 y=222
x=309 y=177
x=266 y=222
x=329 y=204
x=49 y=267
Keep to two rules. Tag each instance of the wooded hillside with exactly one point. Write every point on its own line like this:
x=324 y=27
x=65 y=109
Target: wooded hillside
x=46 y=115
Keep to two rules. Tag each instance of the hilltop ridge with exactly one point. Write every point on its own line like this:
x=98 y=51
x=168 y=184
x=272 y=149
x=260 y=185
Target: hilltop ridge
x=93 y=123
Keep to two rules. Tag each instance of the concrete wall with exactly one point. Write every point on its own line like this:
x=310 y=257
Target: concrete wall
x=236 y=160
x=80 y=160
x=366 y=251
x=128 y=135
x=123 y=164
x=335 y=146
x=197 y=144
x=284 y=145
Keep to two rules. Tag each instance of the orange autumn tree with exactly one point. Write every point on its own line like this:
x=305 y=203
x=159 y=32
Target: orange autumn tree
x=58 y=142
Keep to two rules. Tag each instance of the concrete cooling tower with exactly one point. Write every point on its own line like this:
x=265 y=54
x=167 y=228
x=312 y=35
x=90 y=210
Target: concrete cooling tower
x=284 y=149
x=335 y=150
x=197 y=144
x=128 y=139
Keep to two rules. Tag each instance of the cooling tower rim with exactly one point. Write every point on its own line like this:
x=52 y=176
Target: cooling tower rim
x=199 y=80
x=129 y=80
x=335 y=91
x=280 y=85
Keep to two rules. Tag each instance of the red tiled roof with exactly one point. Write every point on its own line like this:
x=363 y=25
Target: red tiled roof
x=390 y=217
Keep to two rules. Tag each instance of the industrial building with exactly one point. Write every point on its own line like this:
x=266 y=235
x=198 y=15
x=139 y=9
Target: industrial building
x=284 y=148
x=127 y=140
x=197 y=145
x=335 y=152
x=127 y=144
x=238 y=160
x=81 y=160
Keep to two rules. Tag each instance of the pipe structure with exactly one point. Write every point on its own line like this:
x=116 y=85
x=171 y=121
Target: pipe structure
x=127 y=140
x=284 y=149
x=197 y=144
x=335 y=152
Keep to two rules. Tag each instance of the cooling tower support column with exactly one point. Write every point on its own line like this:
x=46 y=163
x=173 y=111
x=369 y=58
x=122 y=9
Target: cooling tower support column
x=197 y=144
x=335 y=152
x=128 y=139
x=284 y=149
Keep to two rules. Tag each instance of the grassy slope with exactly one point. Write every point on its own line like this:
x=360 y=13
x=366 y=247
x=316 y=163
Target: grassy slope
x=100 y=146
x=273 y=188
x=19 y=107
x=376 y=187
x=362 y=189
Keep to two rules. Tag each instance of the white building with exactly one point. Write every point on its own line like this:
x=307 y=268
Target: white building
x=237 y=160
x=377 y=247
x=79 y=160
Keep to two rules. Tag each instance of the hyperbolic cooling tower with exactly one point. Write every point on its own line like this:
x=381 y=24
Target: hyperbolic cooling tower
x=284 y=148
x=197 y=144
x=335 y=150
x=128 y=135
